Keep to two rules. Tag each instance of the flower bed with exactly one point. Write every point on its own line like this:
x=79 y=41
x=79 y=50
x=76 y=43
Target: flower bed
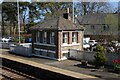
x=116 y=65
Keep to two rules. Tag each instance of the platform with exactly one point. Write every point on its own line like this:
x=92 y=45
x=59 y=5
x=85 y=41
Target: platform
x=50 y=68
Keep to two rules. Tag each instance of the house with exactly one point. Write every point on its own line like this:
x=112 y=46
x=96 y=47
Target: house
x=100 y=25
x=55 y=36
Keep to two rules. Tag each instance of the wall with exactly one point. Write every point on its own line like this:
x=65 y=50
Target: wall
x=81 y=55
x=5 y=45
x=99 y=30
x=24 y=50
x=89 y=56
x=44 y=49
x=77 y=46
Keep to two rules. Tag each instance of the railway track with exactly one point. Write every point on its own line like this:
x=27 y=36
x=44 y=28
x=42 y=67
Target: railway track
x=10 y=74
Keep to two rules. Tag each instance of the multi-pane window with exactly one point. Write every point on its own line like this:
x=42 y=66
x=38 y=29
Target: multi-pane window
x=65 y=37
x=52 y=34
x=74 y=37
x=45 y=37
x=37 y=37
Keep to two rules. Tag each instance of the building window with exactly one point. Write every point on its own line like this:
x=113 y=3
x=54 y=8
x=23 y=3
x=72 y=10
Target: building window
x=52 y=34
x=45 y=37
x=65 y=37
x=37 y=37
x=74 y=37
x=106 y=27
x=92 y=27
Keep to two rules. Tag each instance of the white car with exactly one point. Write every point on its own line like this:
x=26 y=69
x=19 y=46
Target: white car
x=86 y=46
x=92 y=42
x=6 y=40
x=117 y=44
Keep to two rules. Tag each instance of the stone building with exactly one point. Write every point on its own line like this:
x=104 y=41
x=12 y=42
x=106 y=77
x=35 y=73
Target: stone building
x=100 y=25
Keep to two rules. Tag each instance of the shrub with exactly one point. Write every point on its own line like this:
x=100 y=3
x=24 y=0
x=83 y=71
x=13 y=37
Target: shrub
x=100 y=58
x=21 y=40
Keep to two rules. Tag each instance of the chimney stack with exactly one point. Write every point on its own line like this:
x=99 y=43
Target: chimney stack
x=68 y=10
x=67 y=15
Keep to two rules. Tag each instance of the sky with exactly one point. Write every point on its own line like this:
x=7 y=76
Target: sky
x=113 y=3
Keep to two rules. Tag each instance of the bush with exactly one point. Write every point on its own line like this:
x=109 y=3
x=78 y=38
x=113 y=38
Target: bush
x=21 y=40
x=100 y=58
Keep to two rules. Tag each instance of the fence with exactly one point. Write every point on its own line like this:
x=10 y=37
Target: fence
x=23 y=49
x=5 y=45
x=89 y=56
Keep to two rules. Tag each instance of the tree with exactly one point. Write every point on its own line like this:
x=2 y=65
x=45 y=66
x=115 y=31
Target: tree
x=24 y=13
x=100 y=58
x=31 y=12
x=9 y=13
x=85 y=8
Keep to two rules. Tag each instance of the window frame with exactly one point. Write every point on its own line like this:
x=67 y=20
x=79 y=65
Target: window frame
x=45 y=37
x=37 y=37
x=75 y=36
x=52 y=38
x=65 y=38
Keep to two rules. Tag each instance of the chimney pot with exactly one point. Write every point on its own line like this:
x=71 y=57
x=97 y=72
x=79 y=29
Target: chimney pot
x=68 y=10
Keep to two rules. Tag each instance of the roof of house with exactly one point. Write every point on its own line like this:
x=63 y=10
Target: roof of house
x=97 y=18
x=57 y=23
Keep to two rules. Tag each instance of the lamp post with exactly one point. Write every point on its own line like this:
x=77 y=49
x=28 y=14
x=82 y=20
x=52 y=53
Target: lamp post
x=18 y=20
x=73 y=11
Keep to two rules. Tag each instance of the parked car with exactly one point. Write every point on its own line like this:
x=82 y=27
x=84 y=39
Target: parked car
x=92 y=42
x=86 y=46
x=6 y=40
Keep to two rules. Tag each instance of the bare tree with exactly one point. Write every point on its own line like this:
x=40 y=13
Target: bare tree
x=84 y=8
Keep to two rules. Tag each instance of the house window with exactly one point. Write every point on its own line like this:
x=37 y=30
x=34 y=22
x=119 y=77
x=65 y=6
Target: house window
x=45 y=37
x=104 y=27
x=65 y=37
x=52 y=34
x=74 y=37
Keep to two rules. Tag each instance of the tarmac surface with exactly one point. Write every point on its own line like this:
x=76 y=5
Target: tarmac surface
x=71 y=65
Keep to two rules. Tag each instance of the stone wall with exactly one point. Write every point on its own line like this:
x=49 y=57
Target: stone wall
x=89 y=56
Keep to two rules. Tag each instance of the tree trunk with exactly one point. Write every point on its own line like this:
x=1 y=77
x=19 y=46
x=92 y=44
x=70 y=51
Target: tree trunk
x=3 y=29
x=24 y=26
x=14 y=29
x=10 y=29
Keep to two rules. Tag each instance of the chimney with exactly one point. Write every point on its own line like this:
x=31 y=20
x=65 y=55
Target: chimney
x=67 y=15
x=68 y=10
x=75 y=21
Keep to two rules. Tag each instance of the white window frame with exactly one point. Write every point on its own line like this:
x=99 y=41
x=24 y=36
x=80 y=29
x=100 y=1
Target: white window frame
x=65 y=38
x=52 y=35
x=45 y=37
x=74 y=36
x=37 y=37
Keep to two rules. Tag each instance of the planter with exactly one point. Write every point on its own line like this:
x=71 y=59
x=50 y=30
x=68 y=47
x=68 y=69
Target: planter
x=84 y=63
x=117 y=71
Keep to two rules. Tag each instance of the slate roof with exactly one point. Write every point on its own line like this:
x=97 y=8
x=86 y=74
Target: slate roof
x=97 y=18
x=57 y=23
